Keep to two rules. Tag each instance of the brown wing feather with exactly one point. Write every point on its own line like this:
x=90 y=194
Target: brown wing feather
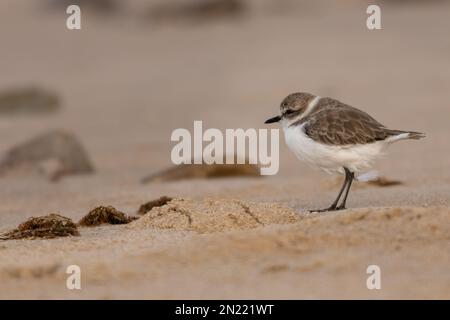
x=335 y=123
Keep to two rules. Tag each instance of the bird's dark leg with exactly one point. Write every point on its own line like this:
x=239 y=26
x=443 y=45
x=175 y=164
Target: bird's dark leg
x=334 y=206
x=351 y=176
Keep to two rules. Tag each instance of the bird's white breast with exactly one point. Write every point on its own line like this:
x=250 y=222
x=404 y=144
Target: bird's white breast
x=329 y=158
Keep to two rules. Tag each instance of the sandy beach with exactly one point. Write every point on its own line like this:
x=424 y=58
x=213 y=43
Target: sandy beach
x=126 y=80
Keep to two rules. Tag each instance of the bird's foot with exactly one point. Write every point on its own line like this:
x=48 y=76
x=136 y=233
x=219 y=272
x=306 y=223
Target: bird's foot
x=332 y=208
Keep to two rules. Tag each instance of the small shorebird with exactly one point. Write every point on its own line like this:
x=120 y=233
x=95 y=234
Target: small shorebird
x=335 y=137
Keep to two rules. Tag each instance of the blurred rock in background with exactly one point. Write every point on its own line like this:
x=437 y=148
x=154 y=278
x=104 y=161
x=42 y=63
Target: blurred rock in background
x=94 y=6
x=54 y=154
x=196 y=11
x=28 y=100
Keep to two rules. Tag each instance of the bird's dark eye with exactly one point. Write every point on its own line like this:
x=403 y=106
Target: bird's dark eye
x=288 y=111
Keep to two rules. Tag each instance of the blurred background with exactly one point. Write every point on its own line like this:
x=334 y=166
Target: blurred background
x=86 y=114
x=139 y=69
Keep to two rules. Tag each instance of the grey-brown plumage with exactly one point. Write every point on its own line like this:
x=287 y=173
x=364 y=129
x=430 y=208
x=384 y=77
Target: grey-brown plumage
x=332 y=122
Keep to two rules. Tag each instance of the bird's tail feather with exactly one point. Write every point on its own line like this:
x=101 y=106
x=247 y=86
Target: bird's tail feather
x=415 y=135
x=401 y=135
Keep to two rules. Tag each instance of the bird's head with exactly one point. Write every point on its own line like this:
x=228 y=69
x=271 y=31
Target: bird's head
x=293 y=106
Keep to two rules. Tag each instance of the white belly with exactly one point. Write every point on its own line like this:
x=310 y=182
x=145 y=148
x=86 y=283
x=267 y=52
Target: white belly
x=331 y=159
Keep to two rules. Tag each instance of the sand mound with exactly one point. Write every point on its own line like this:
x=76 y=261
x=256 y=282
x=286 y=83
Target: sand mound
x=50 y=226
x=215 y=215
x=105 y=215
x=146 y=207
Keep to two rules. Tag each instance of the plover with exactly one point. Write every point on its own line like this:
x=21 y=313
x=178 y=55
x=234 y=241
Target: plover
x=335 y=137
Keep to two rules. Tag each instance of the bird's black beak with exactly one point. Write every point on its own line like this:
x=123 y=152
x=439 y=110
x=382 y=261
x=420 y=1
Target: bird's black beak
x=274 y=119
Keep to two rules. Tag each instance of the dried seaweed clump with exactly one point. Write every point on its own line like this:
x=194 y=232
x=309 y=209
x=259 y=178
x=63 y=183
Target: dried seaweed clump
x=105 y=215
x=204 y=171
x=47 y=227
x=384 y=182
x=146 y=207
x=28 y=100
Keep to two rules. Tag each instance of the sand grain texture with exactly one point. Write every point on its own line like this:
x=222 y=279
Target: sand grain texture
x=300 y=259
